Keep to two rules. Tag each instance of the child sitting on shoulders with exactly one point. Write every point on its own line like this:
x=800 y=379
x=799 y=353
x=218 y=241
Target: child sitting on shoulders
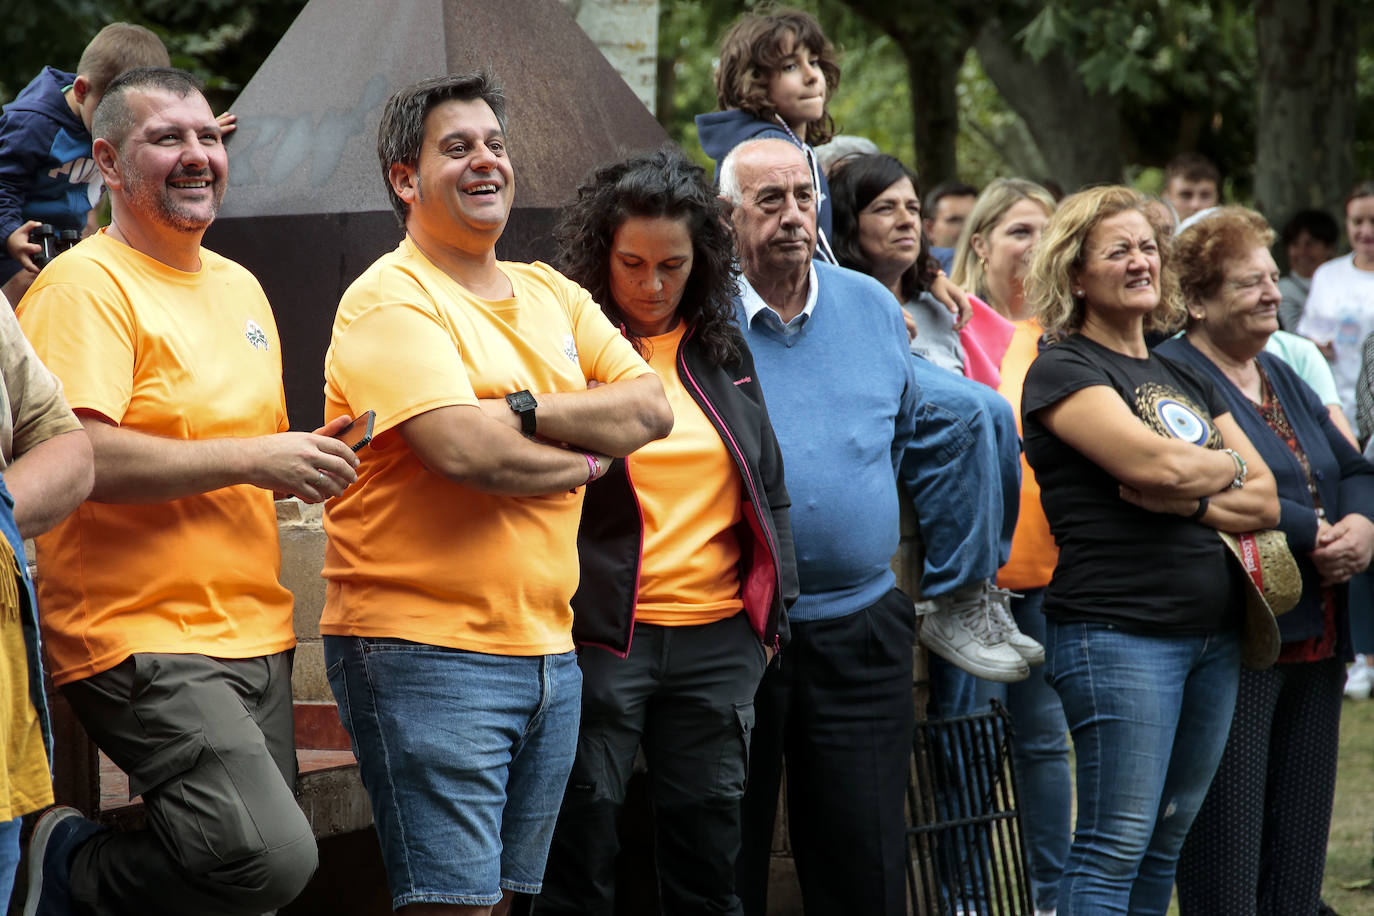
x=776 y=75
x=46 y=171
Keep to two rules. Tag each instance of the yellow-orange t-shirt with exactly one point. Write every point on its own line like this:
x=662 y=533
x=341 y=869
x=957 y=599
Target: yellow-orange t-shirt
x=24 y=781
x=183 y=356
x=413 y=555
x=1033 y=551
x=689 y=496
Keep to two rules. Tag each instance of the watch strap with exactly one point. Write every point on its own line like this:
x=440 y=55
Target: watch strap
x=524 y=404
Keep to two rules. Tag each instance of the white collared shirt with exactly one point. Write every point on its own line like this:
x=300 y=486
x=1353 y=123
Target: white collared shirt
x=754 y=305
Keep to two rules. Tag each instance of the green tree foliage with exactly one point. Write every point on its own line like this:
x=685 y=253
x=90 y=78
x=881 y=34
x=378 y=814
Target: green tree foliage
x=221 y=41
x=1364 y=102
x=993 y=140
x=1183 y=72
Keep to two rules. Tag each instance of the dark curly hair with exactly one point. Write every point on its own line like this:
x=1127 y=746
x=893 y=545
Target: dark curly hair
x=751 y=52
x=853 y=187
x=659 y=184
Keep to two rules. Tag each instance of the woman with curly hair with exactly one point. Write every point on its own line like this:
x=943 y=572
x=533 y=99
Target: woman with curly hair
x=1140 y=462
x=685 y=546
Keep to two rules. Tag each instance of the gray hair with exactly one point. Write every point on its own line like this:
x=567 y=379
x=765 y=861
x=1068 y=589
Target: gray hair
x=844 y=147
x=728 y=180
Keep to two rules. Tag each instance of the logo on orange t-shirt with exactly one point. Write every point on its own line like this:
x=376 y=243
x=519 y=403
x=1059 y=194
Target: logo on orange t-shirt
x=256 y=336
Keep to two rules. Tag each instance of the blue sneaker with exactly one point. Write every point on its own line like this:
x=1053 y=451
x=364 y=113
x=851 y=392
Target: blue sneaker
x=59 y=831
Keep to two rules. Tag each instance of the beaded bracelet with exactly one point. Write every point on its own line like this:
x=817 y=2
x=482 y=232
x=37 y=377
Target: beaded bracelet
x=1241 y=469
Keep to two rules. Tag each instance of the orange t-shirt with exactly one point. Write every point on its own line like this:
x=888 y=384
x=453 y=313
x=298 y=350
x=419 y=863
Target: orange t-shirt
x=689 y=496
x=413 y=555
x=184 y=356
x=1033 y=551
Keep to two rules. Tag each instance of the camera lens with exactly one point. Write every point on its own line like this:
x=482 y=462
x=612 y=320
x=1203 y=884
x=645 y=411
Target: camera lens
x=45 y=237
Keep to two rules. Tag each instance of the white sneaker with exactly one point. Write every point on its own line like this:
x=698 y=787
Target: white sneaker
x=1028 y=648
x=961 y=627
x=1359 y=680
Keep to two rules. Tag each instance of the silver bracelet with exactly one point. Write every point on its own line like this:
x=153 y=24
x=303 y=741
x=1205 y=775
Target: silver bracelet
x=1241 y=470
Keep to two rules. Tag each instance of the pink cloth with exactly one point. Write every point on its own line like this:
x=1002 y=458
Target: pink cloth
x=985 y=339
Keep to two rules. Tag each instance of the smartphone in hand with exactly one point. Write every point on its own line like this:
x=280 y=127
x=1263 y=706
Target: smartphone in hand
x=358 y=433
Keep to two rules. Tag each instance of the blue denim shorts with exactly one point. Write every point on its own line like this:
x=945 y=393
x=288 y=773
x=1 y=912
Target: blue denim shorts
x=465 y=757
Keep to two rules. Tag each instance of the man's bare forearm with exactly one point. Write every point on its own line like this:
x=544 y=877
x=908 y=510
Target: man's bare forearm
x=50 y=480
x=135 y=467
x=470 y=448
x=612 y=419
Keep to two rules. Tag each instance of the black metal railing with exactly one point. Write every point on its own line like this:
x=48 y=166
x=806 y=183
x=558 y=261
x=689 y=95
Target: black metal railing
x=966 y=852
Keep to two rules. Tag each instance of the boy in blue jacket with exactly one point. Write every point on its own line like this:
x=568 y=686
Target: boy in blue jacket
x=46 y=171
x=777 y=73
x=776 y=76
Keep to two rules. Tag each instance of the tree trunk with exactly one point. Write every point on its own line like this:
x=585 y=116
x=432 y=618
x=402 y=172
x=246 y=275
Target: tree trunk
x=934 y=38
x=1078 y=132
x=1306 y=62
x=933 y=72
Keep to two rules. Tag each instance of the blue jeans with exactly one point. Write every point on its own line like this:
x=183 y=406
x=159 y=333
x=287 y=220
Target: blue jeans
x=962 y=470
x=1039 y=750
x=464 y=756
x=9 y=856
x=1149 y=717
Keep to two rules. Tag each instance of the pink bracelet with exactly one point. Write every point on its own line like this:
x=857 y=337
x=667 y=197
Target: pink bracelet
x=593 y=468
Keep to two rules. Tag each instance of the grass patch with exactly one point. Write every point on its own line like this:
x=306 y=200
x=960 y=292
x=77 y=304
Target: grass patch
x=1349 y=848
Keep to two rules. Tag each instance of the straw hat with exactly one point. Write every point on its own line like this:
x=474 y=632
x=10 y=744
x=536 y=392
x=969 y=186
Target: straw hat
x=1273 y=586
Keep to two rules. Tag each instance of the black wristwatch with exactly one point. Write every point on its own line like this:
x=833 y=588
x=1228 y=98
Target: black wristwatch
x=523 y=403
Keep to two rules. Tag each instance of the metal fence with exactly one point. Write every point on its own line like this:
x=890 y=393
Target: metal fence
x=966 y=853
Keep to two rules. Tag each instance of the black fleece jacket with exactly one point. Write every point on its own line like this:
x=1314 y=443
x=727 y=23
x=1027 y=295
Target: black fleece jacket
x=610 y=538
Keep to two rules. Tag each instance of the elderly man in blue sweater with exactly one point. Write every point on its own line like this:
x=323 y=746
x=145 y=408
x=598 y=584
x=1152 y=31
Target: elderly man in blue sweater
x=831 y=352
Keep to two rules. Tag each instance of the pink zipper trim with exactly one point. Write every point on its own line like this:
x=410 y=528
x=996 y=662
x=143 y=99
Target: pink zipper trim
x=639 y=560
x=744 y=466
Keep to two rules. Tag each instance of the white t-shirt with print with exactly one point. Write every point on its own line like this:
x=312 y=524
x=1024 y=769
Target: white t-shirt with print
x=1340 y=309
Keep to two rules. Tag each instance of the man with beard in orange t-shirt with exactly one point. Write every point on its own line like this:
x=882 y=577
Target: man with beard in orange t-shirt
x=167 y=629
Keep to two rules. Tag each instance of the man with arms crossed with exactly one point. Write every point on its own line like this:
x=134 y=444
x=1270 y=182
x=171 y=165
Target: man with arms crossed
x=831 y=353
x=167 y=629
x=500 y=390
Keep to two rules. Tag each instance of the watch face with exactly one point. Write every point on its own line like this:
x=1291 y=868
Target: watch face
x=521 y=401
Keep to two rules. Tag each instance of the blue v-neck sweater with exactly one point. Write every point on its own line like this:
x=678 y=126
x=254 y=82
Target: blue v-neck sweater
x=841 y=397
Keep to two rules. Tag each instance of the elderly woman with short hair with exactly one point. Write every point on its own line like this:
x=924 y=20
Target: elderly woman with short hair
x=1139 y=463
x=1259 y=842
